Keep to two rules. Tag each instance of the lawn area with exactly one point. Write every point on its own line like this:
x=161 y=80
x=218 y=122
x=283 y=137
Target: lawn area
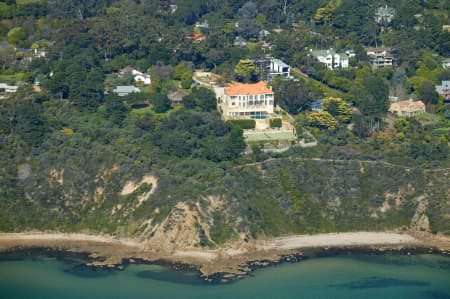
x=441 y=131
x=26 y=1
x=271 y=144
x=267 y=136
x=12 y=79
x=135 y=113
x=141 y=111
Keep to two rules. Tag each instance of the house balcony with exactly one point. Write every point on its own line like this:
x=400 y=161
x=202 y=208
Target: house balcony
x=248 y=108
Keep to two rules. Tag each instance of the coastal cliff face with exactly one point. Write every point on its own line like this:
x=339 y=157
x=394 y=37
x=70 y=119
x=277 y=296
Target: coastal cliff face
x=192 y=204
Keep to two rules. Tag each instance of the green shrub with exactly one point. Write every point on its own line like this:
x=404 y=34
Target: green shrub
x=321 y=119
x=243 y=123
x=186 y=83
x=275 y=123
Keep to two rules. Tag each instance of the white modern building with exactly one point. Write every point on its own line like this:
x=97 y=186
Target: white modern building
x=137 y=75
x=331 y=58
x=5 y=88
x=144 y=78
x=278 y=67
x=351 y=53
x=446 y=63
x=125 y=90
x=203 y=24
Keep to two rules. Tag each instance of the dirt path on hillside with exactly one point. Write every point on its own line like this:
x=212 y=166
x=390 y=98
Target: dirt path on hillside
x=343 y=161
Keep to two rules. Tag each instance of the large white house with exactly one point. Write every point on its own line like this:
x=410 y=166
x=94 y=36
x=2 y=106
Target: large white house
x=246 y=100
x=331 y=58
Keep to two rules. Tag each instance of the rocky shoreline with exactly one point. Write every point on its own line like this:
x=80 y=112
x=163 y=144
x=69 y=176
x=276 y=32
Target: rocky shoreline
x=295 y=257
x=228 y=266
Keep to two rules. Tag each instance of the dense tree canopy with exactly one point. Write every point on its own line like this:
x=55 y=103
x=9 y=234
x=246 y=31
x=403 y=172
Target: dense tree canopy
x=374 y=101
x=338 y=108
x=294 y=96
x=246 y=71
x=427 y=93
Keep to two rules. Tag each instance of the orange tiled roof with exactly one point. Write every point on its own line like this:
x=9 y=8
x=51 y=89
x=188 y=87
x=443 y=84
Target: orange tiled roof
x=246 y=89
x=197 y=36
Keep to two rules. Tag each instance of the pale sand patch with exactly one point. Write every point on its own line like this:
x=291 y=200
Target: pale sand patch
x=338 y=239
x=131 y=186
x=234 y=251
x=201 y=254
x=73 y=237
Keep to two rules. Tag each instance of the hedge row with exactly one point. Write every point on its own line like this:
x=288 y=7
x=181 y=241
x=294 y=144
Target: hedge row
x=242 y=123
x=275 y=123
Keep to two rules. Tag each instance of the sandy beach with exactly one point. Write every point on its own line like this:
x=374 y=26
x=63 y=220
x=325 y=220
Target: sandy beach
x=232 y=258
x=336 y=240
x=73 y=237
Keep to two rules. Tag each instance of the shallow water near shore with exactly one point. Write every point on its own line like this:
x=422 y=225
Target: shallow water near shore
x=341 y=276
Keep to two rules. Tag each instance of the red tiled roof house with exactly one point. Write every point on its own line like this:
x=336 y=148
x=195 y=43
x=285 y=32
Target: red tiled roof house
x=247 y=101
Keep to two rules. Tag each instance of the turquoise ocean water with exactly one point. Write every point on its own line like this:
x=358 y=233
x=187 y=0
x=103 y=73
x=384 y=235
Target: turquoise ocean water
x=344 y=276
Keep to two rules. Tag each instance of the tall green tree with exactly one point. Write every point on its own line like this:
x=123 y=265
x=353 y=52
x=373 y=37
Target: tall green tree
x=322 y=119
x=375 y=97
x=160 y=103
x=116 y=111
x=427 y=93
x=324 y=14
x=294 y=96
x=246 y=71
x=202 y=98
x=338 y=108
x=17 y=36
x=361 y=126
